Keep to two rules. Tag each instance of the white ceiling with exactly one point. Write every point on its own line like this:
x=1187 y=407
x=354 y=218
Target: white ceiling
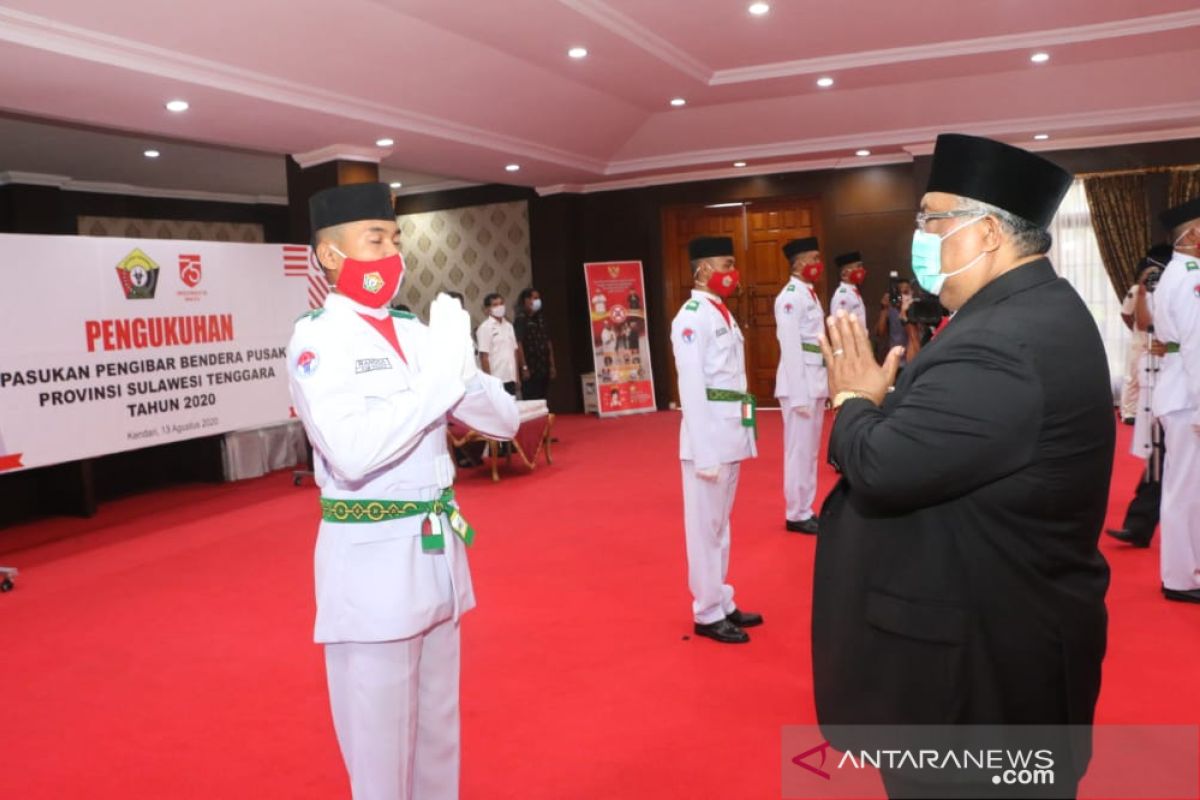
x=467 y=86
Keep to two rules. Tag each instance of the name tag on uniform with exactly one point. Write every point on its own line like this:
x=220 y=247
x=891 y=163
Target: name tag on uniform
x=722 y=331
x=371 y=364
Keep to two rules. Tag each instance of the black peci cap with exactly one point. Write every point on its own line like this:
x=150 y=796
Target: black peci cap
x=350 y=203
x=710 y=247
x=797 y=246
x=998 y=174
x=1172 y=218
x=848 y=258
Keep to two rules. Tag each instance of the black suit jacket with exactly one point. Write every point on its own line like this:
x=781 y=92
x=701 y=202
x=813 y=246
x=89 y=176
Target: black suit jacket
x=958 y=578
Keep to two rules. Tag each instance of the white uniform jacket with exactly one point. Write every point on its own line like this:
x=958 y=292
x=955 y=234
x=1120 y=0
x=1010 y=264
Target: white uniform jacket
x=1177 y=322
x=847 y=298
x=801 y=379
x=709 y=354
x=378 y=430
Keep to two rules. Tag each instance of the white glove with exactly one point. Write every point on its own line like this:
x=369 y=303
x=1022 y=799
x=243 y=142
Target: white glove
x=709 y=473
x=448 y=347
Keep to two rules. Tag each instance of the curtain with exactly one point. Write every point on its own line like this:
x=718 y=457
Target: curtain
x=1120 y=213
x=1076 y=255
x=1185 y=185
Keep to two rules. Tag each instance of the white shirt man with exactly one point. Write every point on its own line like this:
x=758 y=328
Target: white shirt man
x=1177 y=404
x=497 y=341
x=374 y=390
x=1139 y=342
x=801 y=382
x=715 y=435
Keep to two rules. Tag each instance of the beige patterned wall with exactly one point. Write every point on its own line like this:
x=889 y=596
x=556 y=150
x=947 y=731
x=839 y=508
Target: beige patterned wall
x=171 y=229
x=474 y=250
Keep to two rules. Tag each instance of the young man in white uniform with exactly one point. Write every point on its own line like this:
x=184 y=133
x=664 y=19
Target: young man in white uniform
x=1177 y=403
x=801 y=382
x=847 y=297
x=374 y=389
x=716 y=434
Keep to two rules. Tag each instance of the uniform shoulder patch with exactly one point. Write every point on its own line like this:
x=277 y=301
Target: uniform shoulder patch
x=1192 y=266
x=395 y=312
x=791 y=287
x=691 y=305
x=316 y=312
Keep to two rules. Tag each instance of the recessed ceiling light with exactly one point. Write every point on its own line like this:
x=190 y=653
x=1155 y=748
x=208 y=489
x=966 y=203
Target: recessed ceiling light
x=1041 y=136
x=1040 y=58
x=824 y=83
x=862 y=153
x=151 y=154
x=385 y=142
x=512 y=167
x=678 y=101
x=178 y=106
x=577 y=52
x=395 y=184
x=758 y=9
x=739 y=163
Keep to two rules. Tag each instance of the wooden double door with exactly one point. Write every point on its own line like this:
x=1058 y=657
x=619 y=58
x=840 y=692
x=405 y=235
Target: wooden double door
x=759 y=231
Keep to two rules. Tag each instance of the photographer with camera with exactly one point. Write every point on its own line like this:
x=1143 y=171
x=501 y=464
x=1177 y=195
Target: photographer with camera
x=893 y=328
x=1141 y=518
x=1148 y=269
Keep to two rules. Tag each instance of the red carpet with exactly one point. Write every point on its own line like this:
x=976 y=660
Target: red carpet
x=163 y=649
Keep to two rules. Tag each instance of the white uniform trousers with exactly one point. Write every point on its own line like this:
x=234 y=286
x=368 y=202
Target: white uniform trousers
x=706 y=509
x=395 y=709
x=1131 y=388
x=801 y=449
x=1180 y=509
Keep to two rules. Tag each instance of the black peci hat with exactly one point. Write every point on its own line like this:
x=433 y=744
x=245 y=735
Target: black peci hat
x=1172 y=218
x=797 y=246
x=710 y=247
x=848 y=258
x=350 y=203
x=998 y=174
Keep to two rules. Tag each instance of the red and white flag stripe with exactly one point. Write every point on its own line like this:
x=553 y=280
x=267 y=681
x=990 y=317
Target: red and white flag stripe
x=295 y=260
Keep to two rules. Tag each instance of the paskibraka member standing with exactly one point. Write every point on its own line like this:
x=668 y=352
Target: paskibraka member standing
x=374 y=389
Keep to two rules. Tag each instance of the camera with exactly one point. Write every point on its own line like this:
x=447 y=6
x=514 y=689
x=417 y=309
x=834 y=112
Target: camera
x=926 y=309
x=894 y=289
x=1153 y=274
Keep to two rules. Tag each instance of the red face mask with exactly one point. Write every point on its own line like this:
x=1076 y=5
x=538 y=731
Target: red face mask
x=812 y=272
x=857 y=275
x=723 y=284
x=371 y=283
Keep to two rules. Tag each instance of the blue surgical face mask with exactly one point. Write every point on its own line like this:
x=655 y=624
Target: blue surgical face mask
x=927 y=258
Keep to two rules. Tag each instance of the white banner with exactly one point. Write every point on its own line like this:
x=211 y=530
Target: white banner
x=115 y=344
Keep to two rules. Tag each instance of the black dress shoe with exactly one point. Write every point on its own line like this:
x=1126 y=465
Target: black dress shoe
x=803 y=526
x=723 y=631
x=744 y=619
x=1182 y=595
x=1128 y=537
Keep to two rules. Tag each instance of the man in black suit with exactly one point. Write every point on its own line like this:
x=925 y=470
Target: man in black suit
x=958 y=578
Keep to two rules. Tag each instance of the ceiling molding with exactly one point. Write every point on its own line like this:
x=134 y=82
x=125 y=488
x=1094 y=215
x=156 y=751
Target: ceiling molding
x=425 y=188
x=964 y=47
x=776 y=168
x=909 y=136
x=62 y=39
x=69 y=184
x=340 y=152
x=639 y=36
x=1084 y=142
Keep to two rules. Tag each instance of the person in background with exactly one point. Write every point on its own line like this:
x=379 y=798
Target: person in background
x=1177 y=403
x=715 y=435
x=534 y=340
x=892 y=328
x=1139 y=341
x=847 y=297
x=499 y=351
x=1142 y=514
x=801 y=383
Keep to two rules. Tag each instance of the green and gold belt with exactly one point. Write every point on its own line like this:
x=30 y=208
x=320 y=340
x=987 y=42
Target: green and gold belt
x=749 y=404
x=432 y=537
